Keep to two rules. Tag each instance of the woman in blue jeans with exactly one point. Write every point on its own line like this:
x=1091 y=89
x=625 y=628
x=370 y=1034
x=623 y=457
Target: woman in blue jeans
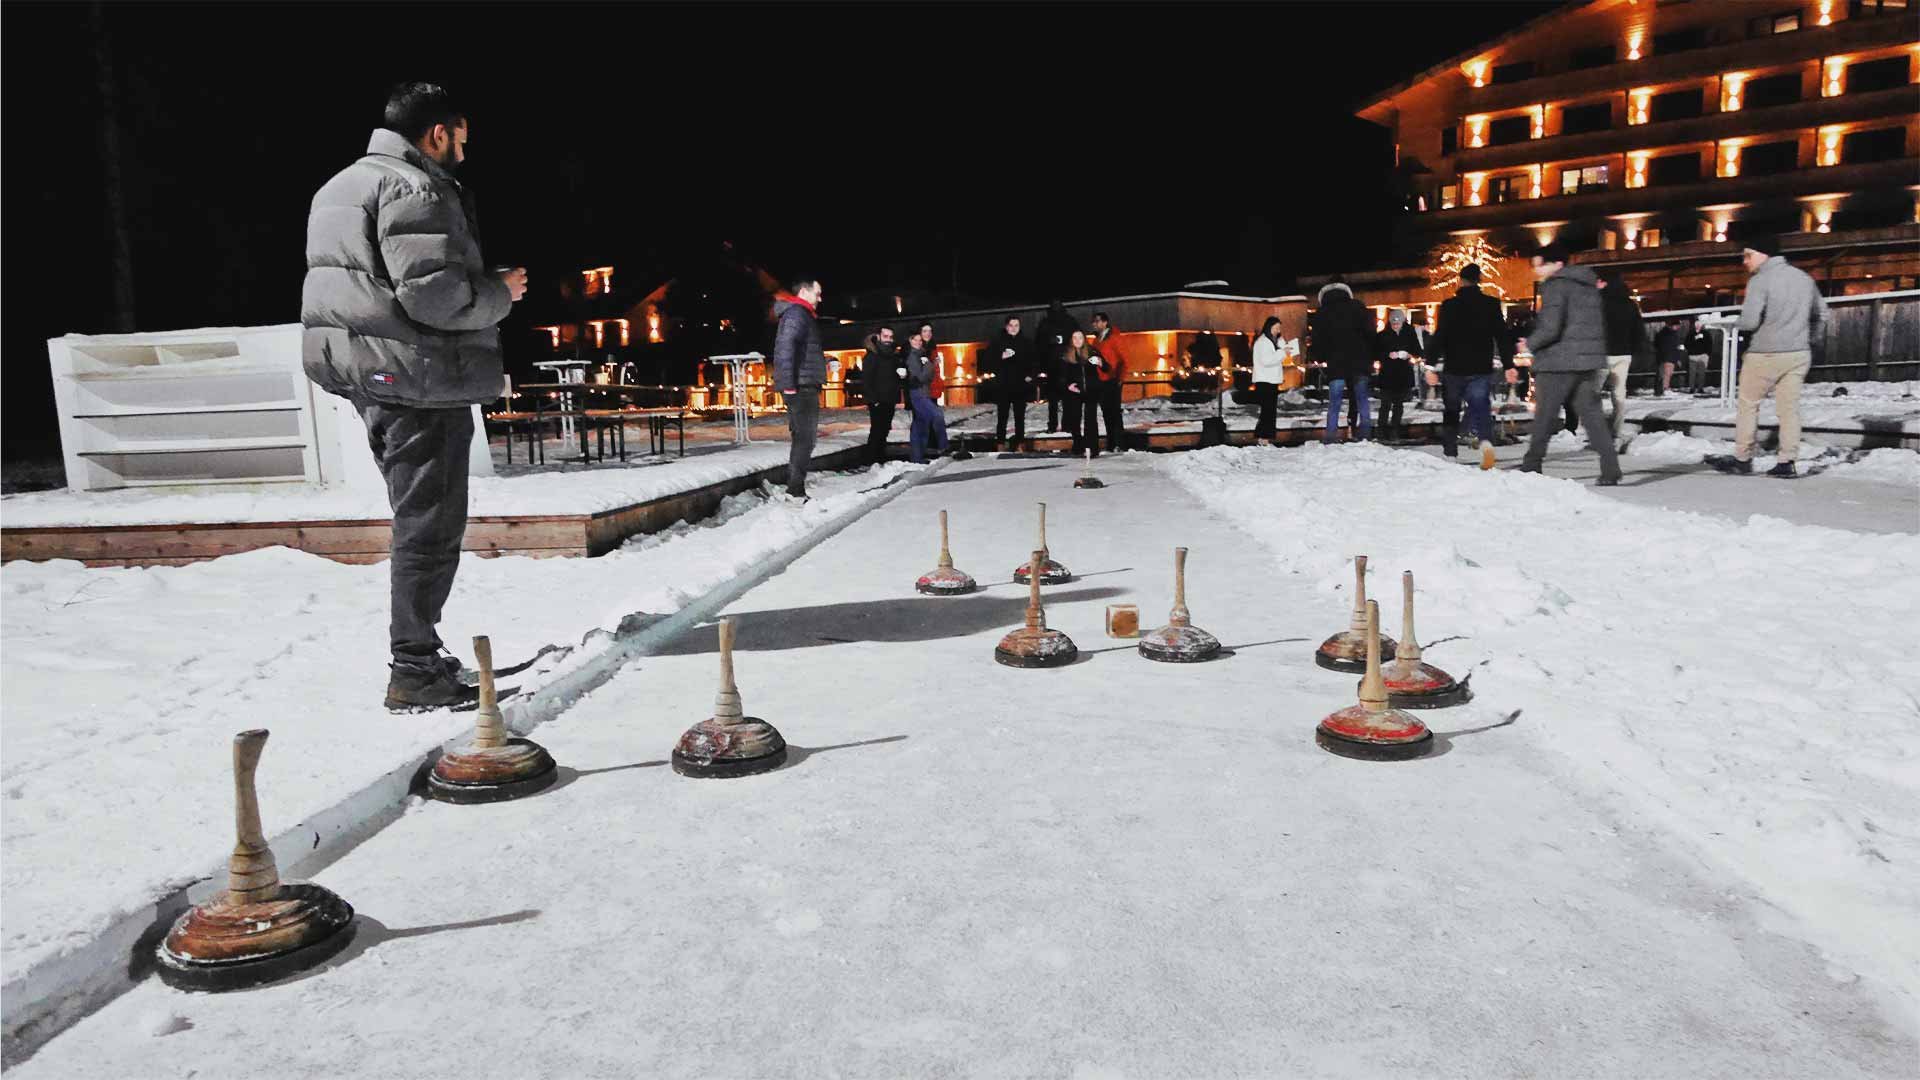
x=1341 y=337
x=927 y=414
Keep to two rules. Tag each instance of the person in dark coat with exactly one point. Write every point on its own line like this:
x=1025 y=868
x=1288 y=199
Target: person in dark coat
x=1468 y=345
x=880 y=369
x=1670 y=349
x=799 y=367
x=1394 y=350
x=399 y=315
x=1049 y=346
x=1626 y=342
x=929 y=419
x=1009 y=359
x=1343 y=341
x=1569 y=345
x=1080 y=373
x=1700 y=348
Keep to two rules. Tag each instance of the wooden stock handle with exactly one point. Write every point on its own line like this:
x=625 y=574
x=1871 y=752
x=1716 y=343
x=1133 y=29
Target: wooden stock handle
x=483 y=659
x=251 y=874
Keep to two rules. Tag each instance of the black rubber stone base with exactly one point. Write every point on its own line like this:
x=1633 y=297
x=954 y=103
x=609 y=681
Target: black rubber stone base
x=1089 y=482
x=1153 y=651
x=220 y=976
x=928 y=590
x=469 y=794
x=1355 y=667
x=1059 y=659
x=728 y=767
x=1366 y=751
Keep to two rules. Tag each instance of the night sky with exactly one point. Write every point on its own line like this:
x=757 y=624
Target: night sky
x=1082 y=150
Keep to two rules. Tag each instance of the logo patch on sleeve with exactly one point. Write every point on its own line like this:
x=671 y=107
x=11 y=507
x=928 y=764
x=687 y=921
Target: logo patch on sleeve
x=381 y=377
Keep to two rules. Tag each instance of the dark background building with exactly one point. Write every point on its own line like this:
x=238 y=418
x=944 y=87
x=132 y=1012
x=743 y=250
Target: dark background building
x=162 y=155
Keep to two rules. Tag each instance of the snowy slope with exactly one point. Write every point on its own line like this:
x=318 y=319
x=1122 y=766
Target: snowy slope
x=124 y=687
x=1750 y=684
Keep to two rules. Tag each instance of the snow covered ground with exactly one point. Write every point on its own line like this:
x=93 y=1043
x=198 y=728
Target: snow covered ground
x=1749 y=685
x=124 y=687
x=1673 y=780
x=1885 y=403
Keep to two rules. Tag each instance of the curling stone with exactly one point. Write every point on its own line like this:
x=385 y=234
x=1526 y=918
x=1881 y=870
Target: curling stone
x=729 y=743
x=1347 y=650
x=493 y=767
x=1033 y=645
x=1087 y=479
x=1051 y=573
x=943 y=579
x=259 y=929
x=1410 y=683
x=1179 y=642
x=1373 y=730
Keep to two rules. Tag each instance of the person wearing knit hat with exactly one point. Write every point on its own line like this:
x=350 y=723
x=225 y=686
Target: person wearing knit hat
x=1781 y=312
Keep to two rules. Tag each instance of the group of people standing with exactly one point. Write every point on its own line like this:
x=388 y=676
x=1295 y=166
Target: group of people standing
x=1079 y=375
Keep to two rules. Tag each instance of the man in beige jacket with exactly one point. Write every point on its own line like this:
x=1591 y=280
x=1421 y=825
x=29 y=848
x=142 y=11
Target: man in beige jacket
x=1782 y=311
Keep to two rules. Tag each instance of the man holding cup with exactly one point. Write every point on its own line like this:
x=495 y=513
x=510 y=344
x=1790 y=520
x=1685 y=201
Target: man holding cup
x=400 y=316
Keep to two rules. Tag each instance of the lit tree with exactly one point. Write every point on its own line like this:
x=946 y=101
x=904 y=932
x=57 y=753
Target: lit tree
x=1446 y=261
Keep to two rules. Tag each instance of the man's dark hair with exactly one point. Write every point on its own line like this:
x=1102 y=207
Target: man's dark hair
x=1102 y=316
x=802 y=282
x=1011 y=318
x=1470 y=273
x=414 y=108
x=1554 y=252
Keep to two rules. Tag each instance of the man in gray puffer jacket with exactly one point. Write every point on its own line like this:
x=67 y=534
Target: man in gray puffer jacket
x=1569 y=345
x=400 y=314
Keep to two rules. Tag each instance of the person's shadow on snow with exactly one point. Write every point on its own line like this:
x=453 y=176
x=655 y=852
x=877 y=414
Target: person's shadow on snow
x=906 y=619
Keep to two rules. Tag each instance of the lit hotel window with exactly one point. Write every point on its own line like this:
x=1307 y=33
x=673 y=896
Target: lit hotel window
x=1580 y=181
x=1449 y=196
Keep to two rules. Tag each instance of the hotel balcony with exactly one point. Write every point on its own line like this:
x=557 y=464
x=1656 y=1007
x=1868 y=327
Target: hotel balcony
x=1812 y=43
x=1744 y=123
x=1896 y=173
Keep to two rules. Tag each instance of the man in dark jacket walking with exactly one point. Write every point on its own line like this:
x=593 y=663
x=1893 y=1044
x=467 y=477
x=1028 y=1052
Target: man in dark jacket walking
x=399 y=313
x=1626 y=342
x=1342 y=340
x=799 y=369
x=881 y=385
x=1049 y=345
x=1009 y=359
x=1569 y=345
x=1469 y=345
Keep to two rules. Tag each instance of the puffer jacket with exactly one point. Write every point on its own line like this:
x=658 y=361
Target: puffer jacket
x=920 y=371
x=1569 y=334
x=1269 y=361
x=882 y=385
x=398 y=306
x=798 y=358
x=1342 y=334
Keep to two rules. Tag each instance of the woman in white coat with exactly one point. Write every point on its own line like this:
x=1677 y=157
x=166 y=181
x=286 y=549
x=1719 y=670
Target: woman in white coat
x=1269 y=371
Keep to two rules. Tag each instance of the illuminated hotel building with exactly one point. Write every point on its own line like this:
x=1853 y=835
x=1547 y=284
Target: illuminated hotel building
x=1652 y=135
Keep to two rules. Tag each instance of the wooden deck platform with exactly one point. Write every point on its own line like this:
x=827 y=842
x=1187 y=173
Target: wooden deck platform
x=369 y=540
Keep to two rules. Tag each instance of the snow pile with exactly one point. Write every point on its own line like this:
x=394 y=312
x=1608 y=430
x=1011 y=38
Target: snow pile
x=124 y=687
x=1885 y=465
x=1881 y=402
x=1751 y=684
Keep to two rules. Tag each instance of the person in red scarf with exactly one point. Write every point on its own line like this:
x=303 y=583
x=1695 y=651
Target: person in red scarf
x=799 y=370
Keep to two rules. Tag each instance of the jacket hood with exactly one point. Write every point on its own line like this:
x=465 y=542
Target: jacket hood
x=1583 y=275
x=1333 y=287
x=783 y=301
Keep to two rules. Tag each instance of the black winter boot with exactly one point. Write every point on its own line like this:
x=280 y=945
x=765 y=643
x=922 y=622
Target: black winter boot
x=413 y=689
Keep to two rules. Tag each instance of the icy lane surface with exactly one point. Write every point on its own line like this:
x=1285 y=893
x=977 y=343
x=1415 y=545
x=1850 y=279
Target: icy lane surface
x=124 y=688
x=1750 y=684
x=1114 y=869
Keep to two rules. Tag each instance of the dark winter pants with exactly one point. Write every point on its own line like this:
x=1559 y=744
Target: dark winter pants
x=803 y=426
x=1110 y=415
x=1554 y=390
x=1086 y=425
x=1070 y=416
x=929 y=419
x=1012 y=400
x=1393 y=405
x=1268 y=395
x=423 y=455
x=879 y=425
x=1476 y=391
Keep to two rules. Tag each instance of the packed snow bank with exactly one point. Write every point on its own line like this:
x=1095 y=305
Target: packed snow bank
x=583 y=491
x=1882 y=403
x=1750 y=684
x=1886 y=465
x=124 y=687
